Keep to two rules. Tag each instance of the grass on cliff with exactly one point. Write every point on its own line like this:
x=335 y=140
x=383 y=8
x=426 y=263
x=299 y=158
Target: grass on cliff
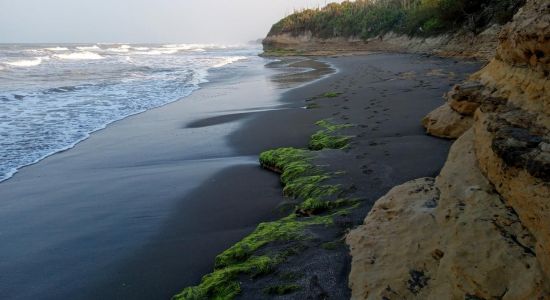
x=366 y=19
x=250 y=257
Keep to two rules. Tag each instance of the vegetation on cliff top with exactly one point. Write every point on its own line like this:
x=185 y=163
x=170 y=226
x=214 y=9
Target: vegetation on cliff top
x=370 y=18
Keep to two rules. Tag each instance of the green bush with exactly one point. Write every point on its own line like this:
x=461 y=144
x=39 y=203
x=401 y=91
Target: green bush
x=364 y=19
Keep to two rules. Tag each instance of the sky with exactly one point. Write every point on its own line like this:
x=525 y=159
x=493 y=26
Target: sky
x=142 y=21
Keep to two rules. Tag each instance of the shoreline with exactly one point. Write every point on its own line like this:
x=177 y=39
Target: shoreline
x=386 y=157
x=161 y=260
x=88 y=211
x=203 y=83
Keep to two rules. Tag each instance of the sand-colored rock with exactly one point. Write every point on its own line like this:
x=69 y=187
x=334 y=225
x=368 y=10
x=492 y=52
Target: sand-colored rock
x=512 y=135
x=461 y=44
x=454 y=117
x=448 y=238
x=523 y=87
x=518 y=164
x=465 y=98
x=446 y=122
x=520 y=71
x=489 y=234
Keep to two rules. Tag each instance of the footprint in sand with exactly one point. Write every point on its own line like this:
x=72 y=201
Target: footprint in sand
x=367 y=172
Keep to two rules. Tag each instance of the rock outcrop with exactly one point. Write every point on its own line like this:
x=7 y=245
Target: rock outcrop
x=481 y=229
x=454 y=117
x=452 y=237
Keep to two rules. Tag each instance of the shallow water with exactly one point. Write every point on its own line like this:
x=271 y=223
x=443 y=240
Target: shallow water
x=53 y=96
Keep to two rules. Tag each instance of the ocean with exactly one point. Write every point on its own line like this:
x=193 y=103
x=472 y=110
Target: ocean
x=54 y=96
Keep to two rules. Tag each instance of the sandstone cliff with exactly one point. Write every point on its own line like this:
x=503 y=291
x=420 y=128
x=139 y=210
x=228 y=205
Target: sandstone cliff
x=461 y=44
x=481 y=229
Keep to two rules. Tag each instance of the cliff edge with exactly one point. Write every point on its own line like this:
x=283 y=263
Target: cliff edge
x=447 y=28
x=481 y=229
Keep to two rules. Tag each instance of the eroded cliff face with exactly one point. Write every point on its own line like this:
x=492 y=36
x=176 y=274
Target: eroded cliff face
x=461 y=44
x=481 y=229
x=452 y=237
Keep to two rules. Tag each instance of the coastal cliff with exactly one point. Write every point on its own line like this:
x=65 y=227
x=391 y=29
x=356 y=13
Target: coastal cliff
x=478 y=230
x=461 y=44
x=446 y=28
x=481 y=228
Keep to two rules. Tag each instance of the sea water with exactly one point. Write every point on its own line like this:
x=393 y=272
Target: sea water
x=53 y=96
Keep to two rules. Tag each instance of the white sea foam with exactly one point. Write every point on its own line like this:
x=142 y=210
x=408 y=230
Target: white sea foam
x=94 y=47
x=194 y=46
x=157 y=51
x=57 y=49
x=119 y=50
x=46 y=110
x=84 y=55
x=228 y=60
x=26 y=62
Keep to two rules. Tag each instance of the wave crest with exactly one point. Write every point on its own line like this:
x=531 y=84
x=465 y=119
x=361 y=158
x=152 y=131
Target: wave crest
x=57 y=49
x=94 y=47
x=228 y=60
x=85 y=55
x=26 y=62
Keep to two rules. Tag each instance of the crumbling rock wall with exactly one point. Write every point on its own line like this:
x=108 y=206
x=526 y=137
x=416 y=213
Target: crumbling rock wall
x=481 y=229
x=461 y=44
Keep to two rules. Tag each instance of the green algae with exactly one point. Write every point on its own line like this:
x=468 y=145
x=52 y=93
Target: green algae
x=282 y=289
x=240 y=258
x=313 y=106
x=285 y=229
x=331 y=245
x=300 y=178
x=327 y=138
x=314 y=206
x=331 y=94
x=251 y=256
x=222 y=284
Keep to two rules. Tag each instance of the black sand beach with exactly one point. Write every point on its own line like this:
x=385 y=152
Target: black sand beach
x=142 y=208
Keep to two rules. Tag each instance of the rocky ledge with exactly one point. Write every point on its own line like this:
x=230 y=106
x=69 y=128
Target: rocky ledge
x=481 y=229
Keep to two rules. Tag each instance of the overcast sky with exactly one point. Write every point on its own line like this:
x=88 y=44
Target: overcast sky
x=183 y=21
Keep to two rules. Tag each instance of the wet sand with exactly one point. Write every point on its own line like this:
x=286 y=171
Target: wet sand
x=384 y=97
x=141 y=209
x=81 y=224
